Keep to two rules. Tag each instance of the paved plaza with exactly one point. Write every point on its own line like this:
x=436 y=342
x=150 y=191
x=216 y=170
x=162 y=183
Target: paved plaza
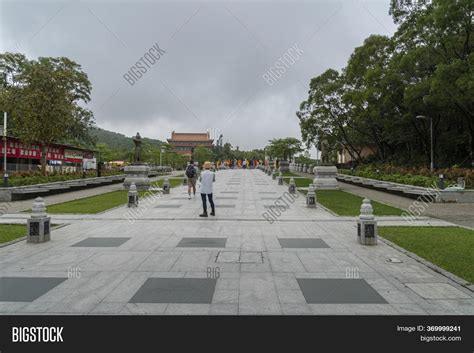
x=161 y=258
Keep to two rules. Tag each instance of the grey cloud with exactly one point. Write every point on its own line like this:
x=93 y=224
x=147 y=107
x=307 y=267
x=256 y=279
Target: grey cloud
x=216 y=54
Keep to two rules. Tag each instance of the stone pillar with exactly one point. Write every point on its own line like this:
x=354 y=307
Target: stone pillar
x=305 y=168
x=39 y=224
x=284 y=166
x=132 y=196
x=292 y=186
x=166 y=186
x=274 y=174
x=280 y=178
x=185 y=180
x=366 y=224
x=325 y=178
x=138 y=174
x=311 y=197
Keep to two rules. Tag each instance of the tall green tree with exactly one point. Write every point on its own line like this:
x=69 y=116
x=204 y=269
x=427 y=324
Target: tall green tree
x=284 y=148
x=44 y=99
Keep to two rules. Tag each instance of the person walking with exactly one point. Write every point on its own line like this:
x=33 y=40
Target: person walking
x=191 y=173
x=207 y=178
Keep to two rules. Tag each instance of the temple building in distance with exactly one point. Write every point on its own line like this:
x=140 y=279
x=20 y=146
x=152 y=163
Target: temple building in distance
x=183 y=142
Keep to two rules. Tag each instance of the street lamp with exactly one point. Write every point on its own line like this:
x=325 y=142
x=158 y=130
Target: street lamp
x=431 y=138
x=162 y=150
x=5 y=172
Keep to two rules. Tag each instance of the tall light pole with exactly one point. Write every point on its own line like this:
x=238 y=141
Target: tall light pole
x=431 y=139
x=5 y=172
x=162 y=149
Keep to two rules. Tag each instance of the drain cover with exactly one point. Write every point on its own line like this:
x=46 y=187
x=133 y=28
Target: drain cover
x=394 y=260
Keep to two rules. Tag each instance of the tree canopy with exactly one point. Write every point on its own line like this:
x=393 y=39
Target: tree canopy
x=43 y=98
x=425 y=68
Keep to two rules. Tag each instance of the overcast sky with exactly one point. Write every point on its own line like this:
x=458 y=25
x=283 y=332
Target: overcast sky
x=216 y=53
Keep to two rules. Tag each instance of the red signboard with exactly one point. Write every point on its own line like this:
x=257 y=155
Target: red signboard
x=18 y=149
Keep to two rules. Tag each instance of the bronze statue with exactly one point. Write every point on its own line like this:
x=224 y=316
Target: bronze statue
x=325 y=152
x=138 y=148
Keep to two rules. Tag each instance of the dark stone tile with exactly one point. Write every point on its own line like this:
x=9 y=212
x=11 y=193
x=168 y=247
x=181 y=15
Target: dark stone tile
x=226 y=198
x=267 y=192
x=168 y=206
x=26 y=289
x=101 y=242
x=229 y=192
x=223 y=206
x=176 y=290
x=302 y=243
x=339 y=291
x=202 y=243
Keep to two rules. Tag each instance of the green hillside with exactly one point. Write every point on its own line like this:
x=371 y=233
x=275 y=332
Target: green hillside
x=117 y=141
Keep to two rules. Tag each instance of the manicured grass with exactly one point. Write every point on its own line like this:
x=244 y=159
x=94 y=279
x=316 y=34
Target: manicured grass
x=289 y=174
x=10 y=232
x=451 y=248
x=173 y=182
x=92 y=204
x=300 y=183
x=102 y=202
x=346 y=204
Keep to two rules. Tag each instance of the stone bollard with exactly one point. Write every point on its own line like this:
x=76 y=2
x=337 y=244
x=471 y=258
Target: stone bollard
x=39 y=224
x=269 y=171
x=132 y=196
x=185 y=180
x=274 y=174
x=280 y=178
x=292 y=186
x=366 y=224
x=166 y=186
x=311 y=197
x=305 y=168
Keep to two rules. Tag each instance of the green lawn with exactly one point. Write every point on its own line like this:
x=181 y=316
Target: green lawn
x=9 y=232
x=102 y=202
x=173 y=182
x=346 y=204
x=300 y=183
x=92 y=204
x=451 y=248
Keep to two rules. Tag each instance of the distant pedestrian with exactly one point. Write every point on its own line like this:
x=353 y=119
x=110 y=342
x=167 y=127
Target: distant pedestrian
x=191 y=174
x=207 y=178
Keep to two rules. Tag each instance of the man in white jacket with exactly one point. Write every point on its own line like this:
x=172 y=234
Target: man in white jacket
x=207 y=179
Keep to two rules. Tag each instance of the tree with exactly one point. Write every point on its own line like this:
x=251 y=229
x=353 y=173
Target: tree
x=202 y=154
x=43 y=98
x=425 y=68
x=284 y=148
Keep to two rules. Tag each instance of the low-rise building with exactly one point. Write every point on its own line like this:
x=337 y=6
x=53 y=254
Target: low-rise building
x=59 y=157
x=184 y=142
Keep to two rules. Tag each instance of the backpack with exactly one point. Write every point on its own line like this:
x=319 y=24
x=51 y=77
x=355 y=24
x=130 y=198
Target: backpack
x=190 y=171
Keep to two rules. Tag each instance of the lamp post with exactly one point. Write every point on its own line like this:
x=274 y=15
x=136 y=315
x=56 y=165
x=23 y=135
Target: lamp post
x=5 y=172
x=162 y=150
x=431 y=139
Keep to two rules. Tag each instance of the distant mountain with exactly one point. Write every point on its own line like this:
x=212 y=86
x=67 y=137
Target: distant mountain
x=117 y=141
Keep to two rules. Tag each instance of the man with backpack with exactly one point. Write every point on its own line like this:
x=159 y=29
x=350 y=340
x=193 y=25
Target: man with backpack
x=191 y=174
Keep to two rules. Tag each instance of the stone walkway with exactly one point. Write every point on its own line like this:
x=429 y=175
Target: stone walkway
x=161 y=258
